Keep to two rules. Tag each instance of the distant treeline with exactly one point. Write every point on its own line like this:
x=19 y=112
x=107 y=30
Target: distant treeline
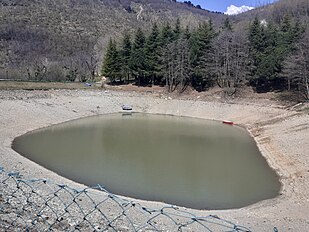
x=268 y=56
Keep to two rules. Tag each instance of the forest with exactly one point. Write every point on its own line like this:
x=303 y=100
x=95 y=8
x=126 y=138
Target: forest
x=268 y=56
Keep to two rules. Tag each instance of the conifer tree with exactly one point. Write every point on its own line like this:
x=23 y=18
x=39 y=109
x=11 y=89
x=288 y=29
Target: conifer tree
x=177 y=29
x=257 y=50
x=187 y=33
x=125 y=52
x=153 y=50
x=227 y=24
x=167 y=35
x=138 y=58
x=201 y=55
x=269 y=45
x=298 y=30
x=111 y=63
x=270 y=59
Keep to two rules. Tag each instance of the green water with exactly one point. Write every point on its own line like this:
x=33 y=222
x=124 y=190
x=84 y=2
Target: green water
x=188 y=162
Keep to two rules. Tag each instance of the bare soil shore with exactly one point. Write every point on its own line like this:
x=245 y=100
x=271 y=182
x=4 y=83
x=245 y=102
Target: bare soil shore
x=281 y=133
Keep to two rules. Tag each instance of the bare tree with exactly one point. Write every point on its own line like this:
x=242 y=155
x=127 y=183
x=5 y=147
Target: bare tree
x=177 y=65
x=296 y=68
x=230 y=58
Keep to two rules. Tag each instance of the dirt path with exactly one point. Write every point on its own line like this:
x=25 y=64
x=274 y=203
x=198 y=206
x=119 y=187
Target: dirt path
x=281 y=135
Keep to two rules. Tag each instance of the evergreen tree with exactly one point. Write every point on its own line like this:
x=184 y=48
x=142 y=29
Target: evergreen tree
x=153 y=54
x=125 y=52
x=187 y=33
x=262 y=40
x=256 y=39
x=111 y=63
x=269 y=45
x=201 y=56
x=138 y=62
x=166 y=36
x=270 y=59
x=255 y=35
x=177 y=29
x=227 y=24
x=298 y=30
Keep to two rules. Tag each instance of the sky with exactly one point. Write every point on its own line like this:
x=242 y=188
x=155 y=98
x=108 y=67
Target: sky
x=222 y=5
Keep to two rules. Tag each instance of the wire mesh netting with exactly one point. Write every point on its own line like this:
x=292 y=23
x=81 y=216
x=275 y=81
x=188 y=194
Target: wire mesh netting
x=42 y=205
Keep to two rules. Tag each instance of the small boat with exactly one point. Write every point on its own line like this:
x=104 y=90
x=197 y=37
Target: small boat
x=228 y=122
x=126 y=107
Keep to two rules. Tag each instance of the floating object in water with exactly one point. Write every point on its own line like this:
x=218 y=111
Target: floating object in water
x=126 y=107
x=228 y=122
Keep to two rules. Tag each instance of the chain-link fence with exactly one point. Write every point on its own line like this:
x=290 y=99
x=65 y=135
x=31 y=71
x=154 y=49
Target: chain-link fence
x=42 y=205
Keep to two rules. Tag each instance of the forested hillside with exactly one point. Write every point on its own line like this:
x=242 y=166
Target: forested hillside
x=267 y=53
x=65 y=39
x=156 y=42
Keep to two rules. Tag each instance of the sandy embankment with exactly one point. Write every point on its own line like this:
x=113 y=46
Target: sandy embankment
x=281 y=134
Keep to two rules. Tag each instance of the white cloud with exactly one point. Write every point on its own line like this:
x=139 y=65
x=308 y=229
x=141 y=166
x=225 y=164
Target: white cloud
x=234 y=10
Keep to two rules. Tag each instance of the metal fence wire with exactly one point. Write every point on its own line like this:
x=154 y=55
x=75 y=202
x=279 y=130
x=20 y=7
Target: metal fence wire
x=42 y=205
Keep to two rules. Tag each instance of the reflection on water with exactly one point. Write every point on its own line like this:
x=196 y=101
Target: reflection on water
x=183 y=161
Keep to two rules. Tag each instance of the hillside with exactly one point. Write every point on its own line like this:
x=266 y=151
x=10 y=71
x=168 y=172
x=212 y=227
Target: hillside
x=275 y=12
x=38 y=36
x=67 y=40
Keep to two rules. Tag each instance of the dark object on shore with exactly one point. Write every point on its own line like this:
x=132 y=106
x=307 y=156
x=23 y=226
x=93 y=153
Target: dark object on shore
x=126 y=107
x=228 y=122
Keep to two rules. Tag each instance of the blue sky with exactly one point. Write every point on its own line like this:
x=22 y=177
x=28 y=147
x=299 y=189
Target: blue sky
x=221 y=5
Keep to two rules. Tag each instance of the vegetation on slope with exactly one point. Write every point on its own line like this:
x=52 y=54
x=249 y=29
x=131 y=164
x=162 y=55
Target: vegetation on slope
x=66 y=40
x=175 y=57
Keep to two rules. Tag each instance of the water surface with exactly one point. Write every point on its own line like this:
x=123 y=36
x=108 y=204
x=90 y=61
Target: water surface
x=183 y=161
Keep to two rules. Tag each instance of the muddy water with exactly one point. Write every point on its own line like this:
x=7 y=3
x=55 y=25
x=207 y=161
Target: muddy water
x=188 y=162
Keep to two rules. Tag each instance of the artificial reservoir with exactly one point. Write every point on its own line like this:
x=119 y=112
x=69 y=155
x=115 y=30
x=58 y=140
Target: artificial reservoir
x=188 y=162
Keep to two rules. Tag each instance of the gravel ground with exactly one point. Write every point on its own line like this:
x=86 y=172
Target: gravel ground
x=281 y=134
